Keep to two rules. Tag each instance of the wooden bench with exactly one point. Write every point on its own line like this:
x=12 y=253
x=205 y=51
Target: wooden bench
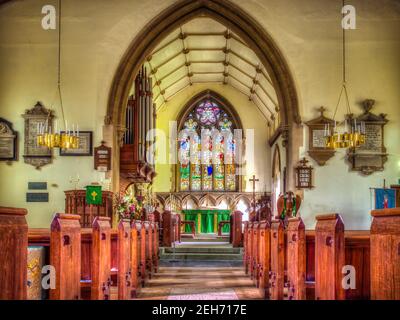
x=65 y=256
x=13 y=256
x=385 y=254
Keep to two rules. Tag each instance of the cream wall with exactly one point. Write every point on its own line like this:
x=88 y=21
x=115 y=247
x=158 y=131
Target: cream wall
x=97 y=33
x=251 y=119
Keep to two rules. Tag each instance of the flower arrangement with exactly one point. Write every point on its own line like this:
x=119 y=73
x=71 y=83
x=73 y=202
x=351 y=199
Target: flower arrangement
x=127 y=207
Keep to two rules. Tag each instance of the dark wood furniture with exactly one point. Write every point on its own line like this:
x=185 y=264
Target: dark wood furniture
x=192 y=226
x=75 y=203
x=221 y=224
x=236 y=229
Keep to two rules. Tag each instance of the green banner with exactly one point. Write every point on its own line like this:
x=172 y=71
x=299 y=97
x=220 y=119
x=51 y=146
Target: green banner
x=93 y=195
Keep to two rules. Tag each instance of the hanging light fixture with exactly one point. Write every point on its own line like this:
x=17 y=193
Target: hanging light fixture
x=47 y=137
x=348 y=133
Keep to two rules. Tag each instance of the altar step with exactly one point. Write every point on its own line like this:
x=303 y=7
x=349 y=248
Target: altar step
x=204 y=238
x=200 y=252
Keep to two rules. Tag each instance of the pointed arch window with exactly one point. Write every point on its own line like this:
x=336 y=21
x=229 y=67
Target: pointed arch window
x=207 y=148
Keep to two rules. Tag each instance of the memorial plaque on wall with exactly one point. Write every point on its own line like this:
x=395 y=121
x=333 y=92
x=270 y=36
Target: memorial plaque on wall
x=34 y=154
x=371 y=156
x=102 y=158
x=8 y=141
x=317 y=141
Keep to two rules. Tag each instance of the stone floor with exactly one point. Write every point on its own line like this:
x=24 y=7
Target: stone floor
x=196 y=280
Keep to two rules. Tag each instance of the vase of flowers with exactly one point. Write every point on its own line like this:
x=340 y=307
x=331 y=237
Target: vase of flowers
x=127 y=207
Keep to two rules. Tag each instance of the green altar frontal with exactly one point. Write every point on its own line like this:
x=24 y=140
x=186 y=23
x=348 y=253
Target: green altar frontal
x=206 y=221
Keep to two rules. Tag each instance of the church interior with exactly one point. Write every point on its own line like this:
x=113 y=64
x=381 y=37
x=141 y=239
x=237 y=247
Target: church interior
x=200 y=150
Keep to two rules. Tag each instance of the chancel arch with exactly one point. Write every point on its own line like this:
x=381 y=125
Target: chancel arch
x=234 y=18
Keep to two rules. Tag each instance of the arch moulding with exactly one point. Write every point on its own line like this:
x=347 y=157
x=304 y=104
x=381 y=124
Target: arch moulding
x=234 y=18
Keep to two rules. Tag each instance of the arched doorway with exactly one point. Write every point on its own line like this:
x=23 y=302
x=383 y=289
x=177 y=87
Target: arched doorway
x=229 y=15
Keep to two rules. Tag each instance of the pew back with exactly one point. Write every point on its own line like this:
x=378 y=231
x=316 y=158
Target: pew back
x=101 y=259
x=13 y=257
x=65 y=256
x=296 y=259
x=124 y=259
x=329 y=257
x=385 y=254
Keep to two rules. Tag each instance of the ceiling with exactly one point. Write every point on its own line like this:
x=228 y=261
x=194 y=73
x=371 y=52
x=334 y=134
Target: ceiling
x=204 y=51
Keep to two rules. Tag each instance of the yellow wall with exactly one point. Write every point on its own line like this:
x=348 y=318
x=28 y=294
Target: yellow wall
x=97 y=33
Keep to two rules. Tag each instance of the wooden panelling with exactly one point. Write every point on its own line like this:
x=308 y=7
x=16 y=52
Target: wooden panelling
x=296 y=259
x=329 y=257
x=265 y=257
x=277 y=259
x=65 y=256
x=124 y=260
x=13 y=254
x=385 y=254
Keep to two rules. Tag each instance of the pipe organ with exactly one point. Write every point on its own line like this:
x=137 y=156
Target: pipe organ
x=135 y=156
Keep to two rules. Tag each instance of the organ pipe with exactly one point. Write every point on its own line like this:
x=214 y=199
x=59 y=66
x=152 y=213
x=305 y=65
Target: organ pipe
x=140 y=116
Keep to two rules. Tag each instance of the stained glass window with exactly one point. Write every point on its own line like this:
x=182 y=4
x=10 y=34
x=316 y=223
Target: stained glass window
x=207 y=150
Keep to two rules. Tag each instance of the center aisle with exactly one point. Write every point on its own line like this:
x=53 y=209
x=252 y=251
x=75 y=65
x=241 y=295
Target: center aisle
x=195 y=280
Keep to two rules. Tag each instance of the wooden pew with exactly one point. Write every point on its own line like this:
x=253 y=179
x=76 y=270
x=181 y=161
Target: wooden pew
x=255 y=254
x=155 y=247
x=296 y=259
x=136 y=255
x=277 y=259
x=143 y=253
x=245 y=246
x=385 y=254
x=65 y=256
x=124 y=260
x=265 y=257
x=13 y=256
x=329 y=257
x=149 y=248
x=101 y=259
x=250 y=249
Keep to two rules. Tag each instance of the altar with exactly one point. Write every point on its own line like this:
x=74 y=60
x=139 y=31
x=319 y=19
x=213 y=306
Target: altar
x=206 y=220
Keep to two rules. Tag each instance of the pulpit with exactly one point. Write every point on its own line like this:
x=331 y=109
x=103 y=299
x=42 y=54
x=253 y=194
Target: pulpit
x=75 y=203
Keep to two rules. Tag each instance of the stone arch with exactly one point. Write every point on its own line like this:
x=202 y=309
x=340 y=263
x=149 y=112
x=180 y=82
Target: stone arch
x=233 y=17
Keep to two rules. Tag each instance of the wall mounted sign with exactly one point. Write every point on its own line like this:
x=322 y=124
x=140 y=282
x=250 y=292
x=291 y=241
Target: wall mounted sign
x=37 y=185
x=85 y=145
x=8 y=141
x=35 y=155
x=102 y=158
x=371 y=156
x=304 y=175
x=317 y=141
x=37 y=197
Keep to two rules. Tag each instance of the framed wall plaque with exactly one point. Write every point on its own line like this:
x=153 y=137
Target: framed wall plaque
x=34 y=154
x=317 y=141
x=8 y=141
x=304 y=175
x=371 y=156
x=85 y=145
x=102 y=158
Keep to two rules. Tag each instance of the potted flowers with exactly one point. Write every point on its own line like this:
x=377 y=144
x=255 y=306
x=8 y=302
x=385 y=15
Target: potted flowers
x=127 y=207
